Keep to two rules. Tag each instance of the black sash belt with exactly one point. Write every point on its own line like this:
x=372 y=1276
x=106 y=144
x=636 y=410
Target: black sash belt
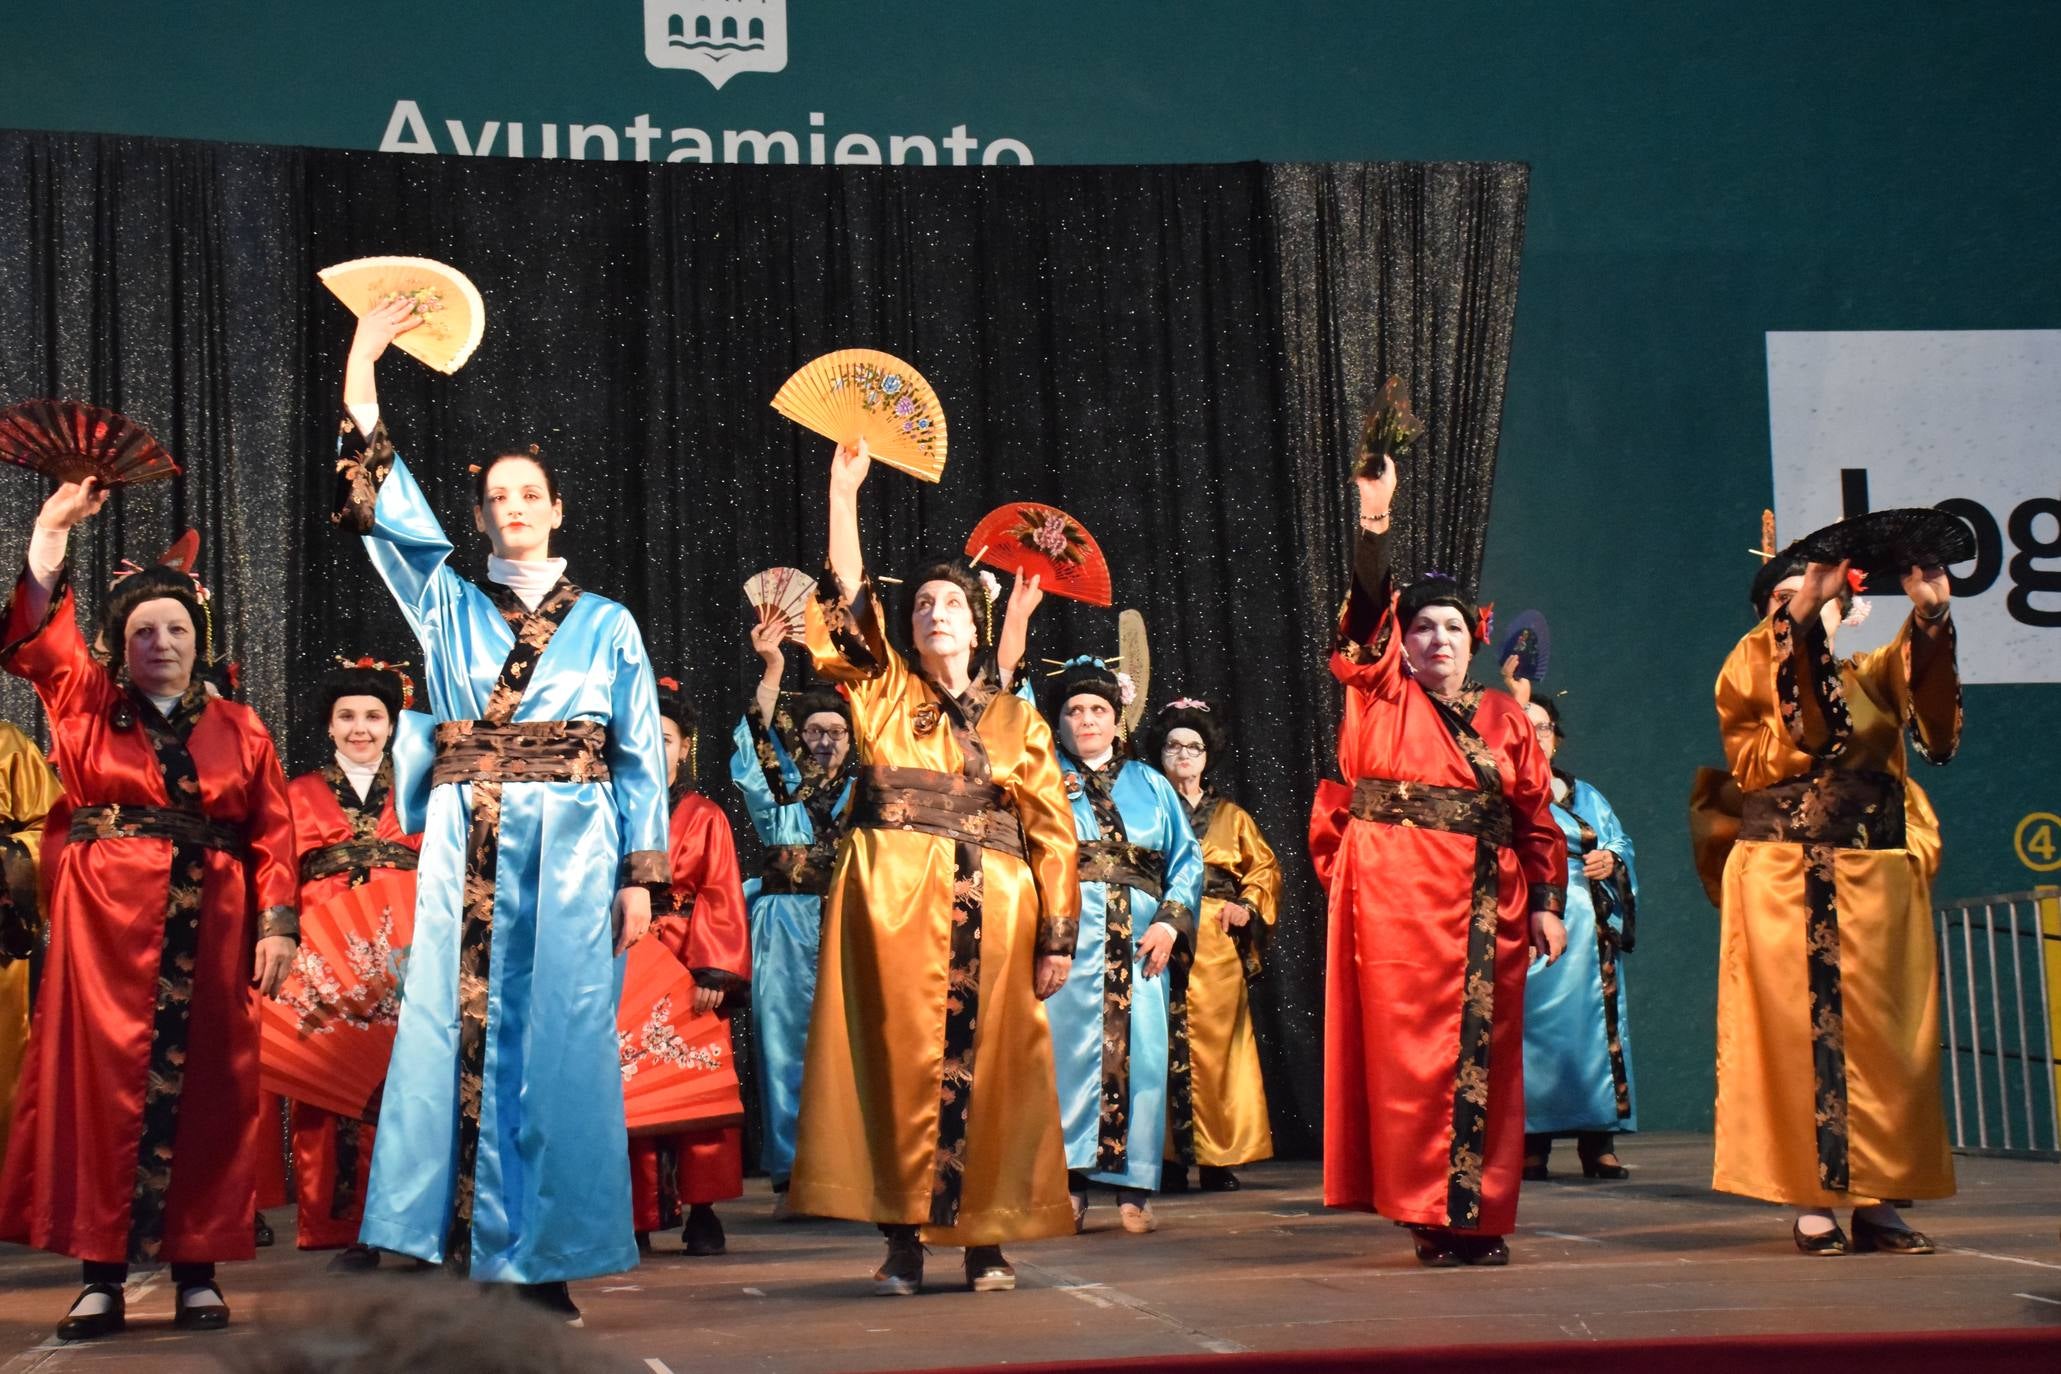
x=946 y=804
x=1843 y=808
x=117 y=822
x=528 y=751
x=1118 y=861
x=1458 y=810
x=802 y=869
x=1221 y=883
x=332 y=859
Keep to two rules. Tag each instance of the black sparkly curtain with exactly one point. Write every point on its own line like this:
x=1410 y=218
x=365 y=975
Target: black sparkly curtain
x=1176 y=355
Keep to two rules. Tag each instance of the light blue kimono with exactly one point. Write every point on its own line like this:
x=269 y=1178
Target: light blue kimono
x=786 y=933
x=552 y=1184
x=1569 y=1082
x=1154 y=818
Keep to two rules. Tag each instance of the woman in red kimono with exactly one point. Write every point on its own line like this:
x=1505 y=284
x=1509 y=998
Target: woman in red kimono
x=345 y=834
x=1446 y=871
x=137 y=1133
x=702 y=920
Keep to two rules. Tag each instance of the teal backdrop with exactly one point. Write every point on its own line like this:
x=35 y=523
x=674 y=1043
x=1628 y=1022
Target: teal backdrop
x=1703 y=173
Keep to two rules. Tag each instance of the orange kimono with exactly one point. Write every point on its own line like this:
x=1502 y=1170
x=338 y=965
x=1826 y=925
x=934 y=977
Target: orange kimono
x=701 y=919
x=928 y=1089
x=341 y=842
x=1828 y=986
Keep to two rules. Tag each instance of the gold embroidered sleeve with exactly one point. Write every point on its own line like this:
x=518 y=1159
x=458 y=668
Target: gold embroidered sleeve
x=279 y=920
x=362 y=463
x=646 y=868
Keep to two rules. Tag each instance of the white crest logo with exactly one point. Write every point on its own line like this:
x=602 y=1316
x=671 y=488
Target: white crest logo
x=718 y=38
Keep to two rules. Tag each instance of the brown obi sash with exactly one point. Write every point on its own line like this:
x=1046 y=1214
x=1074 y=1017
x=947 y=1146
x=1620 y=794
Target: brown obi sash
x=117 y=822
x=802 y=869
x=947 y=804
x=529 y=751
x=1118 y=861
x=1459 y=810
x=1221 y=883
x=332 y=859
x=1843 y=808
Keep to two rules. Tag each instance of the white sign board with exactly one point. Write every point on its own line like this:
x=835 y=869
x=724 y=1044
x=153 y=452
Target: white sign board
x=1967 y=420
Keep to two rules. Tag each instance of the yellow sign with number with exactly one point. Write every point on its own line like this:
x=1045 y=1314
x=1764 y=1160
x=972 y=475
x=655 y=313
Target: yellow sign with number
x=2038 y=841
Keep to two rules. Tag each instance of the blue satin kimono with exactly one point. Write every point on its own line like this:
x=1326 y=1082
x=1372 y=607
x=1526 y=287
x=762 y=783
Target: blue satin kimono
x=1153 y=817
x=1572 y=1080
x=786 y=935
x=551 y=1181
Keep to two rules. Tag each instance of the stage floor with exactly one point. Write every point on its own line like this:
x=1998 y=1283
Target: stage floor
x=1263 y=1269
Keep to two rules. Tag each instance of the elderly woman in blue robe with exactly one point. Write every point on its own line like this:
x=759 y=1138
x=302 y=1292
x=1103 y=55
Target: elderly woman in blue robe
x=502 y=1151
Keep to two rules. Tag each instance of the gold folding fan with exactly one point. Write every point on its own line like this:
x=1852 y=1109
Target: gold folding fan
x=454 y=319
x=862 y=393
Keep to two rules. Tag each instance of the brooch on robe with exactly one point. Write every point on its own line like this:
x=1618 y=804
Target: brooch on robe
x=927 y=718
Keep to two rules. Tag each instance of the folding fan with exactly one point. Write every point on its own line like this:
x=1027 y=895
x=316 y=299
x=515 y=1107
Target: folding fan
x=1529 y=640
x=71 y=441
x=1031 y=538
x=679 y=1071
x=454 y=318
x=1134 y=655
x=862 y=393
x=785 y=590
x=1390 y=429
x=326 y=1039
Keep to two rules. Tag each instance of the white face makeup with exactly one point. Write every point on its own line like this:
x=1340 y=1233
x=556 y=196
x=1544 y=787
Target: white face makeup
x=1437 y=644
x=827 y=738
x=359 y=727
x=516 y=511
x=941 y=620
x=1087 y=726
x=159 y=646
x=1183 y=757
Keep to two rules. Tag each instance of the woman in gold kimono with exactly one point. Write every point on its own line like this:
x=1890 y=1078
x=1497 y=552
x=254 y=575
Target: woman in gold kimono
x=1828 y=1020
x=929 y=1104
x=1217 y=1116
x=28 y=789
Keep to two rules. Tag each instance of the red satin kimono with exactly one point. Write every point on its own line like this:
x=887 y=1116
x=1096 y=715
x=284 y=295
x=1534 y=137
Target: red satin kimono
x=330 y=1154
x=1396 y=1081
x=98 y=1084
x=703 y=922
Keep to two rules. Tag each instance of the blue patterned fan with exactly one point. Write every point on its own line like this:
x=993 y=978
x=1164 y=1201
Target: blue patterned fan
x=1532 y=643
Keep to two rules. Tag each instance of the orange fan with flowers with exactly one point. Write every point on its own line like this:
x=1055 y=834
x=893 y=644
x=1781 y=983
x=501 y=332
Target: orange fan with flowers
x=679 y=1070
x=328 y=1036
x=862 y=393
x=1034 y=539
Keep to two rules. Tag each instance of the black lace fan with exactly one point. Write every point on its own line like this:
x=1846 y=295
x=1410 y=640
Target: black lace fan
x=71 y=441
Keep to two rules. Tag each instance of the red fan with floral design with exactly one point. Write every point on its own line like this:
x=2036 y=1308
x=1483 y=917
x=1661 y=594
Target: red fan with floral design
x=1038 y=540
x=679 y=1070
x=71 y=441
x=328 y=1036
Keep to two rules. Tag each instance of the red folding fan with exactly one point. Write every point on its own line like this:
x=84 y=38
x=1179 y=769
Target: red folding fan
x=326 y=1039
x=71 y=441
x=679 y=1070
x=1034 y=539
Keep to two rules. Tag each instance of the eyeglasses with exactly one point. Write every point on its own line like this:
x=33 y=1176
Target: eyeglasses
x=814 y=734
x=1544 y=731
x=1185 y=750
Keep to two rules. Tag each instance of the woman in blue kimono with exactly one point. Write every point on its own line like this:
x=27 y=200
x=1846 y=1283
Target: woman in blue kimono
x=1577 y=1031
x=501 y=1153
x=1141 y=885
x=796 y=784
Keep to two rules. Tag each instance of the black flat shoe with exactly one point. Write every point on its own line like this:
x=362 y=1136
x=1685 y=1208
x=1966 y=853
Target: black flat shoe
x=1486 y=1252
x=1832 y=1242
x=208 y=1317
x=555 y=1298
x=1535 y=1173
x=93 y=1325
x=354 y=1259
x=262 y=1232
x=1595 y=1168
x=703 y=1233
x=1217 y=1179
x=1436 y=1249
x=1173 y=1178
x=1889 y=1240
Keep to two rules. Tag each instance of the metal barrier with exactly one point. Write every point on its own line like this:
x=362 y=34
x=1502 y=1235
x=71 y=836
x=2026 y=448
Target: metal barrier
x=1999 y=973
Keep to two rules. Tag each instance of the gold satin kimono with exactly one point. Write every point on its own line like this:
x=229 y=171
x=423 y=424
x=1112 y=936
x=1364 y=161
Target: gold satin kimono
x=1230 y=1100
x=867 y=1145
x=1788 y=715
x=28 y=789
